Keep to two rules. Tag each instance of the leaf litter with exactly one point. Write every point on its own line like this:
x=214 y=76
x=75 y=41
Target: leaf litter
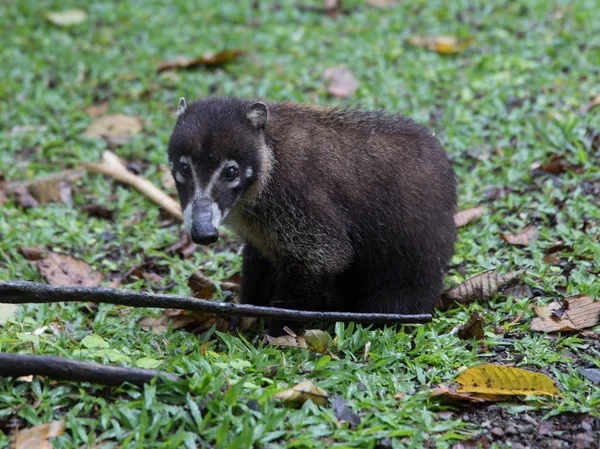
x=208 y=59
x=573 y=314
x=342 y=83
x=66 y=270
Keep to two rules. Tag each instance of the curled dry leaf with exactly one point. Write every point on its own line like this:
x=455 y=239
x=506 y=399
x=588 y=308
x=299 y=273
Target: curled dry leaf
x=498 y=379
x=209 y=59
x=174 y=317
x=483 y=286
x=36 y=437
x=115 y=129
x=314 y=339
x=33 y=253
x=556 y=166
x=342 y=82
x=66 y=18
x=464 y=217
x=287 y=341
x=441 y=44
x=576 y=313
x=204 y=288
x=473 y=328
x=450 y=392
x=523 y=238
x=63 y=269
x=303 y=392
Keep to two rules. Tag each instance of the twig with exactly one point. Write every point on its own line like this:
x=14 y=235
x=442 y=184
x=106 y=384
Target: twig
x=18 y=292
x=14 y=365
x=112 y=166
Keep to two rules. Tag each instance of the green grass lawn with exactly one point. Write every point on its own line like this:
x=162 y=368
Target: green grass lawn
x=516 y=97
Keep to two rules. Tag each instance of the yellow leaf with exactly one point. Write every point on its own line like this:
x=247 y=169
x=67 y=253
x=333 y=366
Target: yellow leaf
x=302 y=392
x=317 y=340
x=67 y=17
x=442 y=44
x=497 y=379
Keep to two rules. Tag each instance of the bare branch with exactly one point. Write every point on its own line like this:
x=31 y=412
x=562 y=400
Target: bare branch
x=14 y=365
x=19 y=292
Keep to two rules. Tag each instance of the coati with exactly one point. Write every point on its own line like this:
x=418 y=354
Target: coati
x=339 y=209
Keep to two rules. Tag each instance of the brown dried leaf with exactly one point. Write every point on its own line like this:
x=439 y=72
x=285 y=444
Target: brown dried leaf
x=497 y=379
x=96 y=110
x=36 y=437
x=178 y=319
x=302 y=392
x=184 y=246
x=209 y=59
x=33 y=253
x=523 y=238
x=115 y=129
x=287 y=341
x=464 y=217
x=22 y=197
x=342 y=82
x=51 y=191
x=473 y=328
x=99 y=211
x=482 y=286
x=577 y=313
x=556 y=165
x=204 y=288
x=63 y=269
x=450 y=392
x=441 y=44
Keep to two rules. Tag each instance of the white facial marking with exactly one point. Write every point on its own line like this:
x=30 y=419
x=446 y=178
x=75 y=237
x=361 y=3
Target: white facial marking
x=248 y=172
x=233 y=184
x=187 y=218
x=216 y=214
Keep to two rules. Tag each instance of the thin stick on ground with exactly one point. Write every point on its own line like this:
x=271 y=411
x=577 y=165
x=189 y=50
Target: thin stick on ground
x=112 y=166
x=21 y=292
x=15 y=365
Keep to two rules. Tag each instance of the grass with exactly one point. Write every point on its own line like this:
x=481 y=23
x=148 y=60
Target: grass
x=514 y=98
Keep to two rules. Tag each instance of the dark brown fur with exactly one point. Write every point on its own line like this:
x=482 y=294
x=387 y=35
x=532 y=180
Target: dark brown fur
x=346 y=210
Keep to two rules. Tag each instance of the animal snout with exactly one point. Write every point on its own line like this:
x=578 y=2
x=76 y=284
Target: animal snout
x=204 y=234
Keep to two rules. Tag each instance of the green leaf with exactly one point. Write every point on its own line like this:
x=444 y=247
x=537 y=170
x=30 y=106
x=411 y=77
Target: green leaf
x=94 y=341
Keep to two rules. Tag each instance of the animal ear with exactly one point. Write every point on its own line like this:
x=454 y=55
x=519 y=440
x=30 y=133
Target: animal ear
x=182 y=106
x=258 y=115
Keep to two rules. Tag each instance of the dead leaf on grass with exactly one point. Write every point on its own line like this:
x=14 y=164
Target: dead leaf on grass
x=116 y=129
x=342 y=82
x=184 y=246
x=33 y=253
x=523 y=238
x=66 y=18
x=589 y=106
x=52 y=188
x=576 y=313
x=63 y=269
x=174 y=317
x=303 y=392
x=383 y=4
x=450 y=392
x=208 y=59
x=556 y=165
x=473 y=328
x=22 y=197
x=497 y=379
x=441 y=44
x=204 y=288
x=36 y=437
x=292 y=341
x=317 y=340
x=464 y=217
x=482 y=286
x=96 y=110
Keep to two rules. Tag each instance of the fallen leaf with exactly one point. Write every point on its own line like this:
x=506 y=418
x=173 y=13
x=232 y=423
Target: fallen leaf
x=450 y=392
x=184 y=246
x=302 y=392
x=52 y=188
x=523 y=238
x=7 y=311
x=441 y=44
x=482 y=286
x=52 y=191
x=592 y=374
x=464 y=217
x=479 y=442
x=209 y=59
x=578 y=312
x=519 y=291
x=342 y=82
x=204 y=288
x=94 y=341
x=174 y=317
x=63 y=269
x=22 y=197
x=498 y=379
x=287 y=341
x=473 y=328
x=384 y=4
x=116 y=129
x=33 y=253
x=148 y=363
x=66 y=18
x=96 y=110
x=36 y=437
x=343 y=413
x=317 y=340
x=556 y=166
x=589 y=106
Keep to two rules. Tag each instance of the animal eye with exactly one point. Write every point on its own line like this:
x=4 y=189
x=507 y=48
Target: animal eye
x=230 y=173
x=184 y=169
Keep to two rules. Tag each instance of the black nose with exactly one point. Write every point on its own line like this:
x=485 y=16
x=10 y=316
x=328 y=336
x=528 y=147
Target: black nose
x=204 y=236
